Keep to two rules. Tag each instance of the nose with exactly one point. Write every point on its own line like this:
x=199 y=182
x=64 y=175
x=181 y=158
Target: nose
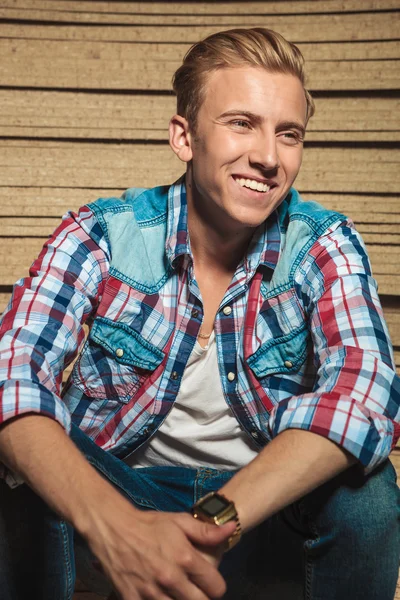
x=264 y=152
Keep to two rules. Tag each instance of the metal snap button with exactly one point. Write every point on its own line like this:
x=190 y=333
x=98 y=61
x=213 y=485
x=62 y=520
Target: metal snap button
x=231 y=376
x=288 y=364
x=119 y=352
x=227 y=310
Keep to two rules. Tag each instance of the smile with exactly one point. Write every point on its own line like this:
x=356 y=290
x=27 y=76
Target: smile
x=252 y=184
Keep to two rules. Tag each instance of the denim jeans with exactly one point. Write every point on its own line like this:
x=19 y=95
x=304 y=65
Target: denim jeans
x=339 y=542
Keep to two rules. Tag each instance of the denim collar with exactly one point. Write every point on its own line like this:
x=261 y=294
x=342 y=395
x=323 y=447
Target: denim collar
x=263 y=249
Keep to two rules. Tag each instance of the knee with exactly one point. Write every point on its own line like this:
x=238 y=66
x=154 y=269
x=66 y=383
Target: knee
x=364 y=510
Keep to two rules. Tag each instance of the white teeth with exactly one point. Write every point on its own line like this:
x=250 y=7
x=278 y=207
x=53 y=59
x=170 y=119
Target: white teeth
x=253 y=184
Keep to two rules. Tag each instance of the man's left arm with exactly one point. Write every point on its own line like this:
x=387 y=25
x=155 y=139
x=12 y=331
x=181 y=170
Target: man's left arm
x=351 y=415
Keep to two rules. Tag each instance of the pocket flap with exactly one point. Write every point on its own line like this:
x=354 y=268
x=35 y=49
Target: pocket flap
x=284 y=354
x=125 y=345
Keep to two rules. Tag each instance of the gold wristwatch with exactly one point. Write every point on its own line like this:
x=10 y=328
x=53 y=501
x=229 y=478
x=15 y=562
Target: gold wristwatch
x=215 y=508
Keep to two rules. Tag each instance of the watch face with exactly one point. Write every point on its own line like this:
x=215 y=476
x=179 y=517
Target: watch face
x=213 y=506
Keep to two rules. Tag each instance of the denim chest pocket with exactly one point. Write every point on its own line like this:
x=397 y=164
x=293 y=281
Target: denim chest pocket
x=115 y=361
x=284 y=354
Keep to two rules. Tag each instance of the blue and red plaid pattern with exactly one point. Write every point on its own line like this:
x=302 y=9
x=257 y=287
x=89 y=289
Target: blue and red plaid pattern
x=344 y=386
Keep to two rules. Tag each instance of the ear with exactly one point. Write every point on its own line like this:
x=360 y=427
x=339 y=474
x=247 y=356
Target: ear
x=180 y=138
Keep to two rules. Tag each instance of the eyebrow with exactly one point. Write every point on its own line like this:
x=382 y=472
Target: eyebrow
x=258 y=120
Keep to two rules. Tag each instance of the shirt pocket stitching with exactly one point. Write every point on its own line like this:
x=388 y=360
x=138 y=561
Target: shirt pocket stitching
x=109 y=336
x=291 y=348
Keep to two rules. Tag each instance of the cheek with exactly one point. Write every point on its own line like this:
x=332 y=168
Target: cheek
x=292 y=161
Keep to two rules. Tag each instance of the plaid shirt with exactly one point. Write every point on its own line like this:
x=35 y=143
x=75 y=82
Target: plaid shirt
x=315 y=357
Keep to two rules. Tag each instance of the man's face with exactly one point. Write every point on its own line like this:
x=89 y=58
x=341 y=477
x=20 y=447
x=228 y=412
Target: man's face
x=248 y=145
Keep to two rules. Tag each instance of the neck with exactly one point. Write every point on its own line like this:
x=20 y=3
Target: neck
x=214 y=241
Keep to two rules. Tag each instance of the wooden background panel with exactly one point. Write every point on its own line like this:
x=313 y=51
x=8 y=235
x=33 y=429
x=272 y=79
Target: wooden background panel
x=89 y=10
x=191 y=27
x=70 y=164
x=119 y=66
x=114 y=42
x=58 y=115
x=48 y=201
x=93 y=7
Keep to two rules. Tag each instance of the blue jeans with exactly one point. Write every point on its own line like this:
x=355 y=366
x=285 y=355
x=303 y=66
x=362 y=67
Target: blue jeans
x=340 y=541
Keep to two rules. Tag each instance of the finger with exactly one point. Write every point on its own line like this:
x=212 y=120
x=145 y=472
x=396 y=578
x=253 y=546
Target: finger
x=184 y=590
x=204 y=575
x=175 y=583
x=206 y=534
x=207 y=578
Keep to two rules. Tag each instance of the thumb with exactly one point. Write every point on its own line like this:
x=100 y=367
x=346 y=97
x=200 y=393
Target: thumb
x=207 y=534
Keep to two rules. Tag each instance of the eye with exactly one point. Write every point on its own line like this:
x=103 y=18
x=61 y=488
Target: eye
x=291 y=137
x=241 y=123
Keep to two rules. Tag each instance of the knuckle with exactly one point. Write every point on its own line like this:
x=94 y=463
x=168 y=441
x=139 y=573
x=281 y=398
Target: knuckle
x=150 y=592
x=166 y=578
x=186 y=560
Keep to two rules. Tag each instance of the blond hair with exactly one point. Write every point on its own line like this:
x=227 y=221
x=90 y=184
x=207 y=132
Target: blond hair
x=257 y=47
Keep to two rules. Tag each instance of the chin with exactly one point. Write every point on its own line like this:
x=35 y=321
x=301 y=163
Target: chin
x=251 y=220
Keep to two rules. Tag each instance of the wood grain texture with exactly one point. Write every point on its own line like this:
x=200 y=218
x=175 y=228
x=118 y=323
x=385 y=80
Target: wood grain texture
x=60 y=115
x=192 y=27
x=97 y=65
x=118 y=42
x=87 y=10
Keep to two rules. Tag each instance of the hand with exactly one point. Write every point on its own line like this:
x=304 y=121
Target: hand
x=213 y=554
x=153 y=556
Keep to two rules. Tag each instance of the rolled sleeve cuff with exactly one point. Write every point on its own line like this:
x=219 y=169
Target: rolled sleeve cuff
x=22 y=397
x=365 y=435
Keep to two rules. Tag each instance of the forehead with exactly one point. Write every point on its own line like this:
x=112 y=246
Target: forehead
x=268 y=94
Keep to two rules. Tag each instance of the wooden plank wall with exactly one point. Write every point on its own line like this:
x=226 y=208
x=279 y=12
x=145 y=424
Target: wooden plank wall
x=85 y=101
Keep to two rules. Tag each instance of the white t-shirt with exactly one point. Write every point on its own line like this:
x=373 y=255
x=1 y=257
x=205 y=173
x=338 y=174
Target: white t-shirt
x=200 y=429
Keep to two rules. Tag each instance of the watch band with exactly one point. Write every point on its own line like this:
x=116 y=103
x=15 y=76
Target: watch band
x=226 y=514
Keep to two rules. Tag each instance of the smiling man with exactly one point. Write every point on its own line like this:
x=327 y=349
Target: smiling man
x=238 y=370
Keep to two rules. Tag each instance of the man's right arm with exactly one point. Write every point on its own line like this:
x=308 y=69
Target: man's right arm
x=145 y=554
x=39 y=335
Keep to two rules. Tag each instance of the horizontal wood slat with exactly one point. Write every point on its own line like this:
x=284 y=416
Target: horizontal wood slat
x=70 y=164
x=86 y=10
x=113 y=43
x=395 y=458
x=392 y=316
x=132 y=117
x=190 y=28
x=121 y=66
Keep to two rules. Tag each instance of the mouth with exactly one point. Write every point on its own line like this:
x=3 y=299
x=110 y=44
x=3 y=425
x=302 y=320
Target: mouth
x=256 y=185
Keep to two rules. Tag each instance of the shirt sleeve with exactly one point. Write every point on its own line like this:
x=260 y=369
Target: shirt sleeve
x=356 y=397
x=41 y=329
